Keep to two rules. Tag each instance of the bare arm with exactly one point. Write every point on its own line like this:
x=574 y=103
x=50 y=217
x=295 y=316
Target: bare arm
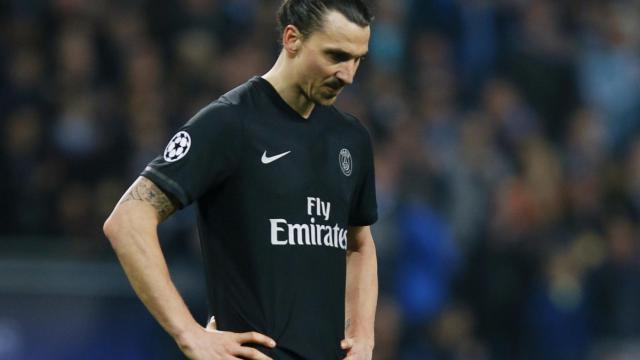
x=132 y=231
x=361 y=294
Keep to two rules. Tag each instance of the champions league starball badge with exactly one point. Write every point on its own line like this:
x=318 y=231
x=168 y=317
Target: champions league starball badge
x=346 y=164
x=177 y=147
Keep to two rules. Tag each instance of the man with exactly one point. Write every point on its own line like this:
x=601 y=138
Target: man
x=284 y=190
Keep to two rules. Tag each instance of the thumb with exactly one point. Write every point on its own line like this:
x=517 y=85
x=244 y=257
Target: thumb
x=211 y=326
x=346 y=344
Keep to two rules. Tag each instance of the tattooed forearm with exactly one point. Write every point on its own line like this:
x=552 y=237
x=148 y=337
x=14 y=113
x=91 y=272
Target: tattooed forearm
x=347 y=324
x=145 y=190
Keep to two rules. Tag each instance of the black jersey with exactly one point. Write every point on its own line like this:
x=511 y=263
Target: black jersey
x=275 y=194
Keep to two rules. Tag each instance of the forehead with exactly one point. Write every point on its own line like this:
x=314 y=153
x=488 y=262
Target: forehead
x=338 y=32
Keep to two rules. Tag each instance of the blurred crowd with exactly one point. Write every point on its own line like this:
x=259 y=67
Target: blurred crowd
x=506 y=138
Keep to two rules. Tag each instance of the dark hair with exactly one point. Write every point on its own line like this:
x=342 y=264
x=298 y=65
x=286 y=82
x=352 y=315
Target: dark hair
x=307 y=15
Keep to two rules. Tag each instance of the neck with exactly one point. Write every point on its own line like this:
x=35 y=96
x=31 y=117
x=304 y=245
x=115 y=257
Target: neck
x=283 y=80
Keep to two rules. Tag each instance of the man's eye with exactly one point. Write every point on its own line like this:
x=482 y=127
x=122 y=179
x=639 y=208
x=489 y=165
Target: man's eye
x=338 y=57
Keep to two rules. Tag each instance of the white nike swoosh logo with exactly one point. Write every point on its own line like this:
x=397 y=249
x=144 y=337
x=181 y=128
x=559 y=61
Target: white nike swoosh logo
x=269 y=159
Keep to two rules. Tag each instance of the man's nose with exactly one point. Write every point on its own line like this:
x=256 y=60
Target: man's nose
x=347 y=72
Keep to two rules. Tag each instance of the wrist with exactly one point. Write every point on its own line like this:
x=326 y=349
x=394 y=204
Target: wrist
x=183 y=335
x=362 y=336
x=363 y=343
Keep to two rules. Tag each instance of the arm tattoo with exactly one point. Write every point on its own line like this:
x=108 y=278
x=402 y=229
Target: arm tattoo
x=147 y=191
x=347 y=324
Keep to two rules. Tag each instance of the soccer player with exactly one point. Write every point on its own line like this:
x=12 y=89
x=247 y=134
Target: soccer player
x=283 y=184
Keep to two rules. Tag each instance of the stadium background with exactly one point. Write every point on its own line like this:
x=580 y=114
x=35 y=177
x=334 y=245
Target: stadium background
x=507 y=159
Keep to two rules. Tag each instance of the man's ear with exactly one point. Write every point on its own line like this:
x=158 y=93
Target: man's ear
x=291 y=39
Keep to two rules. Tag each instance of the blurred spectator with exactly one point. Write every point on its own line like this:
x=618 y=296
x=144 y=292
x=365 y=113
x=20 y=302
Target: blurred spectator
x=501 y=270
x=476 y=170
x=632 y=176
x=609 y=66
x=514 y=121
x=586 y=144
x=388 y=47
x=557 y=316
x=24 y=194
x=387 y=329
x=541 y=65
x=478 y=42
x=616 y=290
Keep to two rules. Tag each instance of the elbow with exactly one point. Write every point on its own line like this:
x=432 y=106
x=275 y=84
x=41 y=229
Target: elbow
x=126 y=222
x=109 y=228
x=114 y=226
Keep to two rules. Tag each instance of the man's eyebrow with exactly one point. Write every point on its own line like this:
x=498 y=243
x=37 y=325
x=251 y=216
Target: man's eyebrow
x=344 y=53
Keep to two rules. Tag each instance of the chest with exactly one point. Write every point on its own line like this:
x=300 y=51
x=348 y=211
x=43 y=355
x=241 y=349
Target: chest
x=287 y=161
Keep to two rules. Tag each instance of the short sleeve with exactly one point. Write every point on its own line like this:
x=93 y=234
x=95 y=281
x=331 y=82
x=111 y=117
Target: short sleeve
x=364 y=208
x=201 y=155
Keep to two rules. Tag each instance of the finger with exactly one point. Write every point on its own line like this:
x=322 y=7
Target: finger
x=346 y=344
x=249 y=353
x=255 y=338
x=211 y=325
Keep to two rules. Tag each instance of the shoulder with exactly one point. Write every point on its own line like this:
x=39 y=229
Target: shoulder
x=353 y=124
x=240 y=95
x=228 y=109
x=217 y=110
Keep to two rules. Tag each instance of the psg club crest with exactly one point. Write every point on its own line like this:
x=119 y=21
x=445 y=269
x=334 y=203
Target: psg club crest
x=346 y=164
x=177 y=147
